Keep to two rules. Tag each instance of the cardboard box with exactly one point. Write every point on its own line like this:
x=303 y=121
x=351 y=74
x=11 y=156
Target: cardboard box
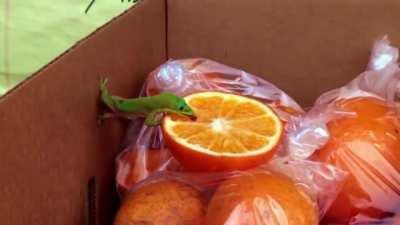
x=53 y=153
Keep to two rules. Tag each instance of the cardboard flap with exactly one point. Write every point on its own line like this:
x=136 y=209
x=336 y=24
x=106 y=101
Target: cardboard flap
x=305 y=47
x=51 y=144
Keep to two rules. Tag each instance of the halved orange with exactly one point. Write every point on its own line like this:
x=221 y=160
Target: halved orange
x=231 y=132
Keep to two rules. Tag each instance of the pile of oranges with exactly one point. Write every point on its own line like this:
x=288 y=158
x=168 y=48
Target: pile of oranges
x=234 y=132
x=251 y=199
x=231 y=132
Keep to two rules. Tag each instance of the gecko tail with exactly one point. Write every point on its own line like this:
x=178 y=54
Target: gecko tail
x=106 y=97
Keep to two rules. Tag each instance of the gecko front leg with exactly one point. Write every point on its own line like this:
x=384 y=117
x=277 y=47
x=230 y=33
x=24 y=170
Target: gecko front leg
x=151 y=118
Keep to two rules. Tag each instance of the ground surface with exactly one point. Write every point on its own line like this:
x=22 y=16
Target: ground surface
x=34 y=32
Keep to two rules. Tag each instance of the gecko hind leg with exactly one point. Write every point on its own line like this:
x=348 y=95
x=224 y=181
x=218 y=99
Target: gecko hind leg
x=105 y=116
x=152 y=120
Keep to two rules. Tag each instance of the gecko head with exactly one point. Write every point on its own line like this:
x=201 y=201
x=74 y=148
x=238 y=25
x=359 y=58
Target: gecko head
x=185 y=109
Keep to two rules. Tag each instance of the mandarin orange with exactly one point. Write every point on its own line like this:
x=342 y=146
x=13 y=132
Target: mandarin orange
x=162 y=203
x=261 y=198
x=367 y=145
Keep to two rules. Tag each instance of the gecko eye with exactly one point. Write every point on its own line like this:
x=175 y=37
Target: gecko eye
x=181 y=108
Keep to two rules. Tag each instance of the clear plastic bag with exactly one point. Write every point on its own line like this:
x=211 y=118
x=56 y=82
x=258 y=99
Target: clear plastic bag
x=187 y=76
x=357 y=129
x=282 y=192
x=145 y=152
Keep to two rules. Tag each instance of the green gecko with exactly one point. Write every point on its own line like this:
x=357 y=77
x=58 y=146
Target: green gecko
x=148 y=107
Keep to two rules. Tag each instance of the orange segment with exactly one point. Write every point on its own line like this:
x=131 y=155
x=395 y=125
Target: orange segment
x=227 y=107
x=202 y=139
x=249 y=140
x=206 y=107
x=245 y=110
x=186 y=130
x=226 y=143
x=227 y=126
x=263 y=125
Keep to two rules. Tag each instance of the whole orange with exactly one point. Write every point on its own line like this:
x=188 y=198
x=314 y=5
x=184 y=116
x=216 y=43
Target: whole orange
x=261 y=198
x=162 y=203
x=367 y=145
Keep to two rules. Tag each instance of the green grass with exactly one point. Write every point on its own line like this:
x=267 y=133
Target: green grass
x=32 y=33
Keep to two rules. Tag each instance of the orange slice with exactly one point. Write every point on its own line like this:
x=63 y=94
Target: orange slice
x=231 y=132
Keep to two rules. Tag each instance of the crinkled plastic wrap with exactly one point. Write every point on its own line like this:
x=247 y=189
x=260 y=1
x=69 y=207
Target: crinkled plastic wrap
x=357 y=128
x=282 y=192
x=145 y=152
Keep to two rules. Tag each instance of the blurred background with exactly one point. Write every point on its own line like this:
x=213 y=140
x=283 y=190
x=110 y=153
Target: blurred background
x=34 y=32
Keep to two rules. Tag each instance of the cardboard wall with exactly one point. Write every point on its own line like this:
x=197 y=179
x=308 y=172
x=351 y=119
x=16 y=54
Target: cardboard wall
x=305 y=47
x=50 y=142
